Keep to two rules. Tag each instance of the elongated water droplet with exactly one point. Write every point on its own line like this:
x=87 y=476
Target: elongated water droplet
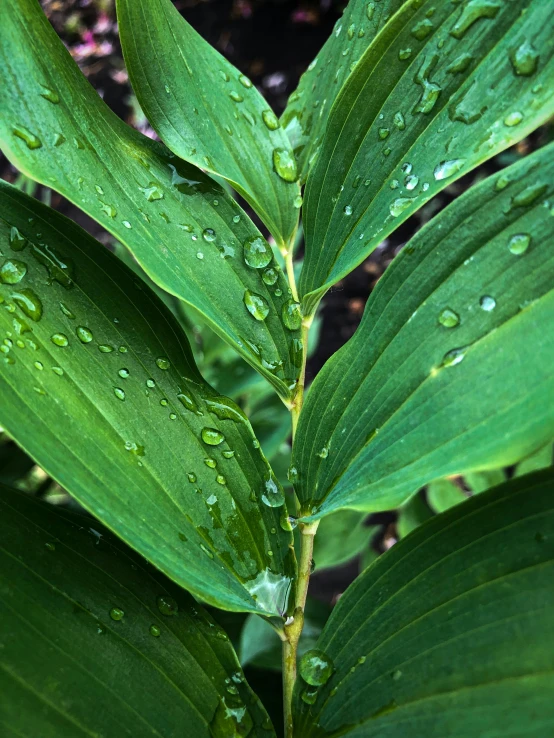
x=162 y=363
x=448 y=318
x=422 y=29
x=525 y=60
x=270 y=120
x=257 y=252
x=83 y=334
x=460 y=64
x=29 y=302
x=152 y=192
x=155 y=631
x=292 y=315
x=400 y=204
x=211 y=463
x=473 y=11
x=285 y=164
x=430 y=91
x=513 y=119
x=208 y=234
x=272 y=495
x=116 y=613
x=256 y=305
x=455 y=356
x=32 y=141
x=119 y=393
x=123 y=373
x=487 y=303
x=50 y=95
x=399 y=121
x=519 y=243
x=529 y=195
x=12 y=271
x=447 y=169
x=167 y=605
x=212 y=436
x=236 y=97
x=105 y=348
x=315 y=667
x=17 y=241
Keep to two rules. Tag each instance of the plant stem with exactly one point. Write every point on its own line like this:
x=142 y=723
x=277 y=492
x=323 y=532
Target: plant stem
x=293 y=630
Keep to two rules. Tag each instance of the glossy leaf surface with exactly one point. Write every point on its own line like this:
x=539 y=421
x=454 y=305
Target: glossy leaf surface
x=96 y=642
x=308 y=108
x=449 y=633
x=207 y=112
x=437 y=379
x=99 y=386
x=442 y=88
x=184 y=230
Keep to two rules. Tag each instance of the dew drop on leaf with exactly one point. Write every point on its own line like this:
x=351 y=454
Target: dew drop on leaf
x=487 y=303
x=448 y=318
x=455 y=356
x=285 y=164
x=447 y=169
x=315 y=667
x=155 y=631
x=272 y=495
x=60 y=339
x=83 y=334
x=12 y=271
x=208 y=234
x=270 y=276
x=29 y=303
x=291 y=314
x=257 y=252
x=256 y=305
x=270 y=119
x=119 y=393
x=32 y=141
x=400 y=204
x=513 y=119
x=50 y=95
x=116 y=613
x=212 y=437
x=167 y=605
x=525 y=60
x=519 y=243
x=162 y=363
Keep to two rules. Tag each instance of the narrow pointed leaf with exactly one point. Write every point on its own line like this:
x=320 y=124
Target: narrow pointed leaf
x=96 y=642
x=309 y=106
x=450 y=632
x=206 y=111
x=99 y=386
x=451 y=369
x=442 y=88
x=181 y=226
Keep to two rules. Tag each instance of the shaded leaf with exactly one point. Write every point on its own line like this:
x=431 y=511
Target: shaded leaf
x=437 y=379
x=340 y=537
x=446 y=633
x=542 y=459
x=413 y=513
x=96 y=642
x=442 y=88
x=99 y=386
x=183 y=229
x=483 y=480
x=442 y=494
x=309 y=106
x=206 y=111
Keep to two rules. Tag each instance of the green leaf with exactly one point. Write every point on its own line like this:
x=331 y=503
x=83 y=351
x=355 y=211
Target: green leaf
x=483 y=480
x=207 y=112
x=449 y=632
x=308 y=108
x=443 y=87
x=542 y=459
x=184 y=230
x=413 y=513
x=437 y=380
x=442 y=494
x=99 y=386
x=340 y=537
x=96 y=642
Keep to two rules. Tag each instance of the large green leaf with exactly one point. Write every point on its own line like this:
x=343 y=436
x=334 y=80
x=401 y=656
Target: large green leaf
x=340 y=537
x=443 y=87
x=99 y=386
x=207 y=112
x=95 y=642
x=451 y=369
x=450 y=632
x=185 y=231
x=308 y=107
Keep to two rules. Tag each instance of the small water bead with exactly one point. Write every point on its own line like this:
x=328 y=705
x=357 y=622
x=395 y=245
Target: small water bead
x=123 y=373
x=348 y=210
x=39 y=365
x=163 y=363
x=455 y=356
x=236 y=97
x=50 y=546
x=164 y=402
x=220 y=479
x=272 y=494
x=422 y=29
x=270 y=276
x=448 y=168
x=116 y=613
x=58 y=370
x=167 y=605
x=292 y=315
x=32 y=141
x=411 y=182
x=127 y=224
x=257 y=252
x=519 y=243
x=525 y=60
x=384 y=133
x=60 y=339
x=270 y=120
x=284 y=164
x=236 y=218
x=206 y=551
x=50 y=95
x=513 y=119
x=119 y=393
x=17 y=241
x=487 y=303
x=315 y=667
x=309 y=695
x=208 y=234
x=297 y=202
x=152 y=192
x=245 y=82
x=228 y=454
x=83 y=334
x=528 y=195
x=105 y=348
x=199 y=255
x=399 y=121
x=448 y=318
x=155 y=631
x=12 y=271
x=401 y=204
x=212 y=437
x=256 y=305
x=396 y=675
x=211 y=463
x=404 y=54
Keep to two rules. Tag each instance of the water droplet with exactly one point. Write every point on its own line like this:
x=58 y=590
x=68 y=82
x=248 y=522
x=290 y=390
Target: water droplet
x=211 y=463
x=123 y=373
x=448 y=318
x=236 y=97
x=315 y=667
x=220 y=479
x=529 y=195
x=487 y=303
x=50 y=95
x=309 y=695
x=272 y=494
x=422 y=29
x=430 y=91
x=59 y=139
x=297 y=202
x=513 y=119
x=60 y=339
x=206 y=551
x=83 y=334
x=270 y=120
x=208 y=234
x=152 y=192
x=155 y=631
x=32 y=141
x=12 y=271
x=460 y=64
x=39 y=365
x=396 y=675
x=474 y=10
x=399 y=121
x=256 y=305
x=105 y=348
x=348 y=210
x=411 y=182
x=134 y=448
x=119 y=393
x=285 y=164
x=404 y=54
x=228 y=454
x=292 y=315
x=447 y=169
x=455 y=356
x=116 y=613
x=257 y=252
x=17 y=241
x=519 y=243
x=270 y=276
x=525 y=59
x=167 y=605
x=212 y=436
x=58 y=370
x=162 y=363
x=401 y=204
x=50 y=546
